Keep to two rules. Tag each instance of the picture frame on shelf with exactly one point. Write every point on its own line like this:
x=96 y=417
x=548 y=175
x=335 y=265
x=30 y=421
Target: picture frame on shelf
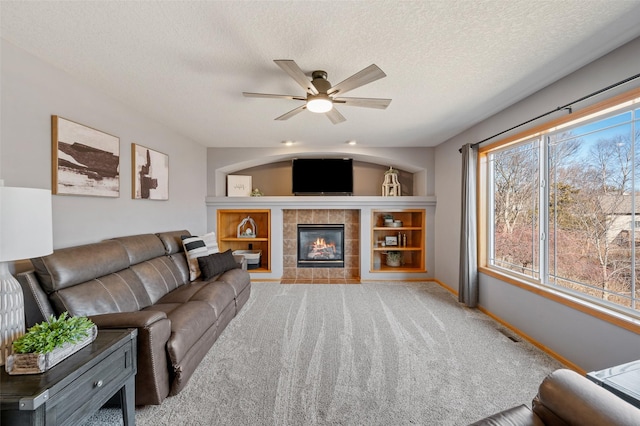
x=390 y=240
x=84 y=161
x=238 y=186
x=150 y=174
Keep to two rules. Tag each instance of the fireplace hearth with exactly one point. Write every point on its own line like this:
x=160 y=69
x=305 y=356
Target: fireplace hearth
x=320 y=246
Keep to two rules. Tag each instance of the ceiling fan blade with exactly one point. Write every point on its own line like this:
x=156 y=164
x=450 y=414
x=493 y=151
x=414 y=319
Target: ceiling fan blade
x=267 y=95
x=364 y=102
x=292 y=113
x=291 y=68
x=367 y=75
x=335 y=116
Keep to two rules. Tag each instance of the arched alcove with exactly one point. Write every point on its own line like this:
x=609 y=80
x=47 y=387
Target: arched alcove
x=273 y=169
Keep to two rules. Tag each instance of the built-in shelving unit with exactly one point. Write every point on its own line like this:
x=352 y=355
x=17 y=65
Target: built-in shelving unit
x=227 y=228
x=413 y=228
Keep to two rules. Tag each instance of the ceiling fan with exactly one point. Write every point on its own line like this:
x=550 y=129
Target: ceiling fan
x=321 y=97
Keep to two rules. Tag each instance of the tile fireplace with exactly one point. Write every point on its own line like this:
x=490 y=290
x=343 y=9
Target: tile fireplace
x=350 y=273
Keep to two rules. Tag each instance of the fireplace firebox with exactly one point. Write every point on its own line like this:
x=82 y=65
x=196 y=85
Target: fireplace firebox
x=320 y=246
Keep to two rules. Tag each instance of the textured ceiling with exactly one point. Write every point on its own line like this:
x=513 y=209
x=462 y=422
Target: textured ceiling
x=449 y=63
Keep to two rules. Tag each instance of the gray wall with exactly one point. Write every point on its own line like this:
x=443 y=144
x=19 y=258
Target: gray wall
x=586 y=341
x=32 y=91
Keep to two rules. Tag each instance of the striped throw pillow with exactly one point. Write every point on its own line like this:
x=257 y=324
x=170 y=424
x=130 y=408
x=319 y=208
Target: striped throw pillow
x=195 y=247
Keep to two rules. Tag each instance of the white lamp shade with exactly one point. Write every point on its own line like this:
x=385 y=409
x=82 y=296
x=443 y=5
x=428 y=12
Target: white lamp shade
x=26 y=229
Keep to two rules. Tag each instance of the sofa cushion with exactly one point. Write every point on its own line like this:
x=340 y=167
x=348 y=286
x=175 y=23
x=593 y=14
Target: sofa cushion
x=195 y=247
x=141 y=247
x=189 y=322
x=121 y=291
x=159 y=276
x=237 y=279
x=70 y=266
x=172 y=241
x=216 y=264
x=217 y=294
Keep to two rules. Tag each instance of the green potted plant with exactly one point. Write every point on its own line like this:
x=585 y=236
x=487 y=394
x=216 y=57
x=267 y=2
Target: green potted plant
x=49 y=342
x=394 y=258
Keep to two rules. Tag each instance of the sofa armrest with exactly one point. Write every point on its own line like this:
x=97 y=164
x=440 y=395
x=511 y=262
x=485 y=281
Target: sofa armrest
x=574 y=399
x=136 y=319
x=520 y=416
x=241 y=261
x=154 y=329
x=37 y=307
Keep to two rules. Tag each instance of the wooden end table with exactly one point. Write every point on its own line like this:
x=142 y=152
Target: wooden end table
x=72 y=391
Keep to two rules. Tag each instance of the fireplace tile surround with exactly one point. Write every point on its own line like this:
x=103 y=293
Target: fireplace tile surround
x=350 y=274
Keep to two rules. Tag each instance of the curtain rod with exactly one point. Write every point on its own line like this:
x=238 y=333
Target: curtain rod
x=565 y=107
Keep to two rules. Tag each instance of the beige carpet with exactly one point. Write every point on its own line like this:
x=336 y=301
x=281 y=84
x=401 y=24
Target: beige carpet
x=370 y=354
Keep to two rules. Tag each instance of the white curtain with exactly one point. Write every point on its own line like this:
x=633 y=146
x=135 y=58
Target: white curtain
x=468 y=285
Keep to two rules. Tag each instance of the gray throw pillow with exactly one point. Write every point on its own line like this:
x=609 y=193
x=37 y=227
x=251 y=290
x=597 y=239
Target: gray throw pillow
x=215 y=264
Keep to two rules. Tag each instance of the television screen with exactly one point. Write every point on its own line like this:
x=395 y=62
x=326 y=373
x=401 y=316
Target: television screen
x=322 y=176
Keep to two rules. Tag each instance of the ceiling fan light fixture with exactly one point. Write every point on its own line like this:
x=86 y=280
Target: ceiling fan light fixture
x=319 y=103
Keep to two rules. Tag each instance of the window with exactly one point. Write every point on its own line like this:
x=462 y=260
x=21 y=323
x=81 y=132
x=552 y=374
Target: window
x=563 y=207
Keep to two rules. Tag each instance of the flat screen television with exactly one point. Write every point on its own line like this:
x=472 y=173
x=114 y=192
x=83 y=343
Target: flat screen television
x=322 y=176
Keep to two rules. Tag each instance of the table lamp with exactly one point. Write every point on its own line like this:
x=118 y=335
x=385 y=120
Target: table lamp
x=25 y=232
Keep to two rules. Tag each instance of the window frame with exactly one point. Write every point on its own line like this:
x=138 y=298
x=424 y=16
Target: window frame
x=603 y=311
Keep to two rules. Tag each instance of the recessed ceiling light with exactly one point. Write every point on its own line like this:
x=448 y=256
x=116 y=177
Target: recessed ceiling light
x=288 y=143
x=351 y=142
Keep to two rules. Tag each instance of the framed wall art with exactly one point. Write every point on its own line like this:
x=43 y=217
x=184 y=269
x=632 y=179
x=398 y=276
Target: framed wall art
x=85 y=161
x=238 y=186
x=150 y=174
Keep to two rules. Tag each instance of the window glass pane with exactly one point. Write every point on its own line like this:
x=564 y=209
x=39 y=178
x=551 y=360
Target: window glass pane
x=592 y=199
x=515 y=209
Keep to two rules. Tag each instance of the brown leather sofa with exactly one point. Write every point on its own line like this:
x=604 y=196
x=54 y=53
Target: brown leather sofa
x=567 y=398
x=142 y=282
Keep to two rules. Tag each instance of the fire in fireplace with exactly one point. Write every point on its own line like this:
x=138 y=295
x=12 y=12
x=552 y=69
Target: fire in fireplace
x=320 y=246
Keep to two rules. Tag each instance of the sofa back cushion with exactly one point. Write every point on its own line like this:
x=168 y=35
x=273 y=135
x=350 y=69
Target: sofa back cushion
x=157 y=272
x=172 y=242
x=121 y=291
x=91 y=279
x=141 y=247
x=74 y=265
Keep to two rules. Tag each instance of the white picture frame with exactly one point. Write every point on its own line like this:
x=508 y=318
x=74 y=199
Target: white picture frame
x=238 y=186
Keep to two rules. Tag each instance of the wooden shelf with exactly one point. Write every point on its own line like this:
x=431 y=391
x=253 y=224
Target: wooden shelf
x=244 y=240
x=413 y=226
x=397 y=228
x=392 y=248
x=227 y=227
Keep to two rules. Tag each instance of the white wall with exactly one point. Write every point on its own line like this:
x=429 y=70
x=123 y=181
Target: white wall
x=32 y=91
x=588 y=342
